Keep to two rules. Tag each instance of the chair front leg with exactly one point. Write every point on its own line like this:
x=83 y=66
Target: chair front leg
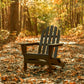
x=25 y=66
x=24 y=51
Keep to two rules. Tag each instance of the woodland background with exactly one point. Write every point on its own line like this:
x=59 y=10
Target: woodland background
x=30 y=17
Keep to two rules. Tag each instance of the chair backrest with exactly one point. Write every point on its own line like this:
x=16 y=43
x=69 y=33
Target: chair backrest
x=49 y=36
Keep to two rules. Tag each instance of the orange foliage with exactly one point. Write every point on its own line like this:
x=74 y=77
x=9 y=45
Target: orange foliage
x=76 y=1
x=57 y=2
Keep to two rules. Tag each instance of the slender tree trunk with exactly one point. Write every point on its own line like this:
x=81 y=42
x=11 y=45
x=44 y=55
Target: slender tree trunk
x=82 y=14
x=2 y=16
x=21 y=17
x=8 y=16
x=24 y=22
x=35 y=25
x=70 y=15
x=75 y=15
x=35 y=21
x=29 y=25
x=67 y=14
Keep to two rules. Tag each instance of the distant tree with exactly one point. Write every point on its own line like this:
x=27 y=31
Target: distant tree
x=82 y=1
x=2 y=8
x=14 y=16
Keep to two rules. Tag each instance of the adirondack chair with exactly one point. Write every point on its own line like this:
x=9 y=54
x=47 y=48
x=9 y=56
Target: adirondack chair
x=49 y=40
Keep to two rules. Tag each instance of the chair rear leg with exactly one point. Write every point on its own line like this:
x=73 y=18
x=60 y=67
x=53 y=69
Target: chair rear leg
x=50 y=67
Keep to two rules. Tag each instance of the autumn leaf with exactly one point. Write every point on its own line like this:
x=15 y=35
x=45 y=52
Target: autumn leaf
x=15 y=79
x=72 y=83
x=4 y=78
x=28 y=74
x=59 y=56
x=44 y=80
x=0 y=55
x=81 y=77
x=65 y=82
x=21 y=80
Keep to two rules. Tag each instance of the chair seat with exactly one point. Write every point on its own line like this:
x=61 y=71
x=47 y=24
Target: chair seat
x=36 y=56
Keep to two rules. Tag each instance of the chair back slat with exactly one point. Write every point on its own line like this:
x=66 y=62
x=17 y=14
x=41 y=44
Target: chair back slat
x=49 y=40
x=45 y=41
x=41 y=42
x=56 y=48
x=49 y=36
x=54 y=37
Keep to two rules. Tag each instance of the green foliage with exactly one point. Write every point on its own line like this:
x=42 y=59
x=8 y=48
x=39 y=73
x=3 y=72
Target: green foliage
x=5 y=3
x=47 y=11
x=43 y=11
x=28 y=33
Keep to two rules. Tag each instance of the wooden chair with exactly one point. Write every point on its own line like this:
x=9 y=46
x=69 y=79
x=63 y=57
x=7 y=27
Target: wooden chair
x=49 y=40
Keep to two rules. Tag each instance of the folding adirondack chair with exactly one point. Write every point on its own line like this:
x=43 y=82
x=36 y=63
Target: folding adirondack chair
x=49 y=40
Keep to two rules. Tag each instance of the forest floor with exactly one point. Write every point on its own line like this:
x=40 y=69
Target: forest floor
x=72 y=53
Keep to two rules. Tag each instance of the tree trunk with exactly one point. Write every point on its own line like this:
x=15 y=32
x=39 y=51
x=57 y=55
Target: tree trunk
x=35 y=25
x=8 y=16
x=2 y=16
x=82 y=14
x=67 y=14
x=75 y=15
x=24 y=22
x=14 y=16
x=29 y=26
x=71 y=13
x=21 y=17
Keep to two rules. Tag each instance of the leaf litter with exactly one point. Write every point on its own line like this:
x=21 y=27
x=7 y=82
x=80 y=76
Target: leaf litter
x=11 y=66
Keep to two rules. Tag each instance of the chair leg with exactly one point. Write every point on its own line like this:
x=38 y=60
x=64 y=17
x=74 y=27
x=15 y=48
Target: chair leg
x=50 y=67
x=25 y=66
x=57 y=62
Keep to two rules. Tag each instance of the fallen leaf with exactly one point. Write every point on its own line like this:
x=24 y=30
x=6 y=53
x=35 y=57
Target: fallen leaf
x=21 y=80
x=72 y=83
x=28 y=74
x=0 y=74
x=4 y=78
x=15 y=79
x=65 y=82
x=0 y=55
x=81 y=77
x=59 y=56
x=44 y=80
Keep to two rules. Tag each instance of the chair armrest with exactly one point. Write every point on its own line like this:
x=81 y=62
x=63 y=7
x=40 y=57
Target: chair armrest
x=24 y=47
x=51 y=48
x=54 y=45
x=28 y=44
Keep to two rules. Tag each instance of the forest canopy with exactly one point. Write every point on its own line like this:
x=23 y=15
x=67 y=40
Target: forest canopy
x=32 y=16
